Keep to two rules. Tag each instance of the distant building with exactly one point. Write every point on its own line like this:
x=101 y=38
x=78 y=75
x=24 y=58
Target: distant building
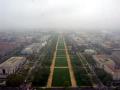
x=27 y=51
x=44 y=43
x=116 y=57
x=80 y=41
x=90 y=51
x=107 y=44
x=108 y=65
x=11 y=66
x=33 y=48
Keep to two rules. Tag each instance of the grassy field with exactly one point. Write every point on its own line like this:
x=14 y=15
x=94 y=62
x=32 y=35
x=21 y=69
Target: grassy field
x=61 y=62
x=61 y=44
x=61 y=58
x=61 y=47
x=83 y=80
x=80 y=72
x=61 y=77
x=61 y=52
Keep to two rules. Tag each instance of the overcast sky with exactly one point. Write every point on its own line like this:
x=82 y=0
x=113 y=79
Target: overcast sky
x=60 y=14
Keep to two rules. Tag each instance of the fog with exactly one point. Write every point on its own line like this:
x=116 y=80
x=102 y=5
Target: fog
x=60 y=14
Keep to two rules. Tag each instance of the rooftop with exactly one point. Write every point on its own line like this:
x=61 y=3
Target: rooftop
x=12 y=61
x=107 y=61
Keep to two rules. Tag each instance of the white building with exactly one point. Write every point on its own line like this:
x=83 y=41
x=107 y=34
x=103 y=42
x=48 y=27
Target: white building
x=44 y=43
x=114 y=72
x=27 y=51
x=11 y=65
x=90 y=51
x=108 y=65
x=33 y=48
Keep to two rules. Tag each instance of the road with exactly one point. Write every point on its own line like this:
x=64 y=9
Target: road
x=49 y=82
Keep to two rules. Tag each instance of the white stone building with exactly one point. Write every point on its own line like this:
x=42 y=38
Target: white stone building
x=108 y=65
x=33 y=48
x=90 y=51
x=11 y=65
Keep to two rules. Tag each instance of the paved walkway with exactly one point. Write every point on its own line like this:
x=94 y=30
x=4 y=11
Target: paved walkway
x=73 y=80
x=49 y=83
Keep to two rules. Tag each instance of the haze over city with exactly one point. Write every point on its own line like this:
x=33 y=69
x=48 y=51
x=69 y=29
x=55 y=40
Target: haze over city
x=59 y=45
x=60 y=14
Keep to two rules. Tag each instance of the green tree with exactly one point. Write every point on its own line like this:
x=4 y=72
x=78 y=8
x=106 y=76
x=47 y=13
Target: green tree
x=14 y=80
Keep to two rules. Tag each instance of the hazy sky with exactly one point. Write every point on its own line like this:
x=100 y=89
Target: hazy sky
x=59 y=14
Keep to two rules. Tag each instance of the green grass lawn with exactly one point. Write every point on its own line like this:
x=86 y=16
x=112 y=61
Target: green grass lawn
x=61 y=47
x=60 y=39
x=61 y=44
x=82 y=78
x=81 y=75
x=61 y=58
x=84 y=81
x=61 y=52
x=61 y=77
x=75 y=61
x=62 y=62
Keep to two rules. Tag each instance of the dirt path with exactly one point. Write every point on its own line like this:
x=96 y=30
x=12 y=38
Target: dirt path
x=49 y=83
x=73 y=80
